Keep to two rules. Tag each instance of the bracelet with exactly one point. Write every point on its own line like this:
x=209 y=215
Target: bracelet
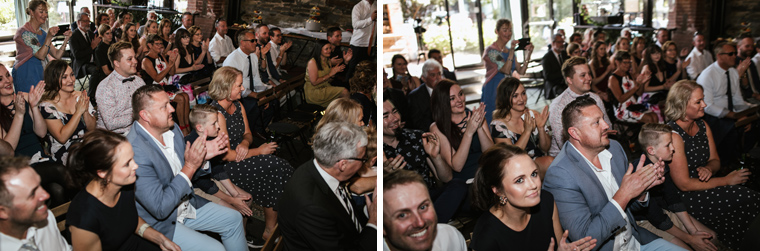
x=141 y=231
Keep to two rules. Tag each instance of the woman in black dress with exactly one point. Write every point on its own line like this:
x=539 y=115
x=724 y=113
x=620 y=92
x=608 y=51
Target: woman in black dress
x=200 y=52
x=255 y=170
x=518 y=215
x=102 y=62
x=104 y=213
x=717 y=202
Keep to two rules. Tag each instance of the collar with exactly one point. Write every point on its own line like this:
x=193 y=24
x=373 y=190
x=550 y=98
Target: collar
x=119 y=76
x=11 y=243
x=216 y=35
x=168 y=137
x=604 y=156
x=331 y=181
x=697 y=52
x=429 y=90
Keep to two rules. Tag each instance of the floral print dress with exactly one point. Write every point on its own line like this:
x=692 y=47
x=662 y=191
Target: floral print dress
x=621 y=107
x=58 y=150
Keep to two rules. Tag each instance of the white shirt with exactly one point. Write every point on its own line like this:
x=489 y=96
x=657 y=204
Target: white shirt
x=239 y=60
x=713 y=80
x=220 y=47
x=45 y=238
x=699 y=61
x=181 y=28
x=624 y=239
x=185 y=209
x=361 y=20
x=447 y=238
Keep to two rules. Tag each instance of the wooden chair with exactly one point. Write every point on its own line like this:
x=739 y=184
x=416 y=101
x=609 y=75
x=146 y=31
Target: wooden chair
x=59 y=212
x=274 y=243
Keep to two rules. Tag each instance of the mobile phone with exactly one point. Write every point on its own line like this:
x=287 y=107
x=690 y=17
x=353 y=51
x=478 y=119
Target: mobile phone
x=523 y=43
x=62 y=29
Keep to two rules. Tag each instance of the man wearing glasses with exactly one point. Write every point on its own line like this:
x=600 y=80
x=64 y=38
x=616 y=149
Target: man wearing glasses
x=724 y=101
x=246 y=59
x=316 y=212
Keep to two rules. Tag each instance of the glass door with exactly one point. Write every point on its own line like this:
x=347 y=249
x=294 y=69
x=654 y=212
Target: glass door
x=465 y=19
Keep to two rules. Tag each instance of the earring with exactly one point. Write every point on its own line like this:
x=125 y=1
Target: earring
x=502 y=200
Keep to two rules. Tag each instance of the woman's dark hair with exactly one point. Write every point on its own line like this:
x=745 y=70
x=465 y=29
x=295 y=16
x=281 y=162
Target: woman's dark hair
x=183 y=51
x=96 y=152
x=393 y=62
x=653 y=67
x=507 y=87
x=317 y=55
x=598 y=62
x=490 y=173
x=52 y=76
x=6 y=115
x=439 y=101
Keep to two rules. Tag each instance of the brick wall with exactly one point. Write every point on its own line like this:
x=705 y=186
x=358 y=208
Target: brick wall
x=687 y=17
x=206 y=12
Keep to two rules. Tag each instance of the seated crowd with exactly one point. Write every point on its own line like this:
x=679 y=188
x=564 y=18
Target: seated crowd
x=558 y=179
x=143 y=162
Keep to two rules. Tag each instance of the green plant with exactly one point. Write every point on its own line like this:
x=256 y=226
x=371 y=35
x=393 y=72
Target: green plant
x=7 y=12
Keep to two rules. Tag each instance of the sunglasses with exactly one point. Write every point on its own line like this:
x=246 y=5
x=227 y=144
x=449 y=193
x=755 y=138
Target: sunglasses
x=730 y=54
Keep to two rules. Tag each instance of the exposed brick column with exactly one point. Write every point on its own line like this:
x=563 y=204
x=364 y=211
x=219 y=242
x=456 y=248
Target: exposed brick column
x=688 y=16
x=207 y=11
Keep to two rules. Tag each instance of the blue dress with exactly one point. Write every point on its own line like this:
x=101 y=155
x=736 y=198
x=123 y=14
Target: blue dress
x=30 y=73
x=488 y=96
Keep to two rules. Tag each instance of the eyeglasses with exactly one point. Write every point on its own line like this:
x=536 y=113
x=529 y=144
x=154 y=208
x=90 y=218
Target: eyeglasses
x=626 y=62
x=363 y=160
x=249 y=40
x=730 y=54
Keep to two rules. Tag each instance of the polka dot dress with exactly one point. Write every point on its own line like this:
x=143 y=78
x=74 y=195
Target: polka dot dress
x=729 y=210
x=263 y=176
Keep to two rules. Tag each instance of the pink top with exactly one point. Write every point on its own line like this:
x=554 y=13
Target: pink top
x=26 y=44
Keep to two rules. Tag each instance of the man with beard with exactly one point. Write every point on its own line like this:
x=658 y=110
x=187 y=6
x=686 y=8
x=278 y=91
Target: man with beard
x=25 y=221
x=338 y=56
x=114 y=93
x=163 y=191
x=578 y=78
x=409 y=218
x=420 y=152
x=699 y=58
x=750 y=79
x=594 y=194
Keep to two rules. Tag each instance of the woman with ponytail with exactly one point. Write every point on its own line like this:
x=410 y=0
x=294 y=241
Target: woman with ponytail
x=103 y=216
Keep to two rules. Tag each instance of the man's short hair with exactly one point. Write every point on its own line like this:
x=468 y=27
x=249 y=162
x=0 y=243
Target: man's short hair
x=568 y=68
x=572 y=37
x=572 y=113
x=147 y=16
x=650 y=134
x=720 y=45
x=187 y=14
x=200 y=114
x=9 y=165
x=271 y=31
x=336 y=141
x=82 y=15
x=114 y=51
x=429 y=65
x=332 y=30
x=401 y=177
x=433 y=51
x=241 y=35
x=256 y=30
x=622 y=55
x=216 y=23
x=142 y=98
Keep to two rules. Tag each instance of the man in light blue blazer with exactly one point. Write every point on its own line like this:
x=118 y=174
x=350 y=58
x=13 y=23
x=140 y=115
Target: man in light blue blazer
x=592 y=189
x=163 y=189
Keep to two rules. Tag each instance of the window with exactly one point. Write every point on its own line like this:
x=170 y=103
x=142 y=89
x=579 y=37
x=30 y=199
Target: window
x=8 y=20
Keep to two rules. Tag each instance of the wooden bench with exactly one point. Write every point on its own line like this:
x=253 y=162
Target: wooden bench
x=60 y=211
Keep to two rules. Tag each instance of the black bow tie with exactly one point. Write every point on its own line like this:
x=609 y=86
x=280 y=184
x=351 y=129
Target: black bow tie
x=128 y=79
